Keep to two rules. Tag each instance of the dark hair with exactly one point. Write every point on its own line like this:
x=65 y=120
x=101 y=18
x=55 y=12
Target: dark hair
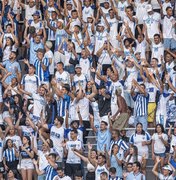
x=104 y=174
x=161 y=126
x=117 y=132
x=157 y=35
x=135 y=156
x=12 y=43
x=112 y=170
x=31 y=65
x=74 y=10
x=143 y=132
x=129 y=7
x=138 y=164
x=60 y=169
x=103 y=156
x=61 y=63
x=53 y=155
x=143 y=85
x=29 y=139
x=74 y=130
x=113 y=147
x=155 y=59
x=168 y=8
x=60 y=119
x=67 y=87
x=6 y=144
x=78 y=174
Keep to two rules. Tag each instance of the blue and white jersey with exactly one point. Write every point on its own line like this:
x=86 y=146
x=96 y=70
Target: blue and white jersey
x=121 y=144
x=30 y=83
x=51 y=33
x=141 y=104
x=82 y=79
x=9 y=154
x=43 y=75
x=63 y=104
x=11 y=67
x=103 y=137
x=24 y=154
x=99 y=170
x=37 y=25
x=33 y=50
x=137 y=140
x=60 y=34
x=50 y=172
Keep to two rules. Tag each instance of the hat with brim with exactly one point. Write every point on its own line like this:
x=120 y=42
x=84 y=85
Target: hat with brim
x=167 y=167
x=49 y=44
x=60 y=20
x=78 y=66
x=149 y=8
x=40 y=50
x=36 y=14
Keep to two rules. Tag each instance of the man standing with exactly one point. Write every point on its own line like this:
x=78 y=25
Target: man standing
x=141 y=99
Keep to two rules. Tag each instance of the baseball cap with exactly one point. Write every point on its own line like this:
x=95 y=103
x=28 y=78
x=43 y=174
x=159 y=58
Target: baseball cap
x=48 y=44
x=149 y=8
x=40 y=50
x=36 y=13
x=78 y=66
x=167 y=167
x=60 y=20
x=69 y=2
x=137 y=52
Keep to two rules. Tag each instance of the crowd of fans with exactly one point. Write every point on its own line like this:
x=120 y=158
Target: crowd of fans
x=75 y=69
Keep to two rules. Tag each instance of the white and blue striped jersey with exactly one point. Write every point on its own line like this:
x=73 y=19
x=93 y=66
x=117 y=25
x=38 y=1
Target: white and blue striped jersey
x=60 y=34
x=63 y=104
x=51 y=33
x=1 y=100
x=33 y=50
x=50 y=172
x=121 y=144
x=43 y=75
x=9 y=155
x=30 y=83
x=141 y=104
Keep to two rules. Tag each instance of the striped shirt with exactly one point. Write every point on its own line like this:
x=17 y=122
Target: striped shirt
x=43 y=75
x=63 y=104
x=9 y=155
x=121 y=144
x=141 y=104
x=51 y=33
x=50 y=172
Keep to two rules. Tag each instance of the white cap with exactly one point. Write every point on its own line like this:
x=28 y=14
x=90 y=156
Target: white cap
x=60 y=20
x=30 y=107
x=49 y=44
x=167 y=167
x=149 y=8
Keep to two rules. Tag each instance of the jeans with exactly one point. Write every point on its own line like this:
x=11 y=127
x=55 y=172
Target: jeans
x=42 y=177
x=142 y=120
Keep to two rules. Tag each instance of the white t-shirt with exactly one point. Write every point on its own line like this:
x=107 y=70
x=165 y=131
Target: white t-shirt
x=31 y=83
x=164 y=6
x=104 y=58
x=158 y=51
x=152 y=90
x=168 y=27
x=87 y=12
x=162 y=177
x=99 y=170
x=71 y=157
x=49 y=55
x=63 y=178
x=159 y=147
x=43 y=162
x=85 y=65
x=152 y=22
x=16 y=140
x=141 y=47
x=84 y=109
x=29 y=12
x=141 y=11
x=39 y=104
x=121 y=8
x=62 y=78
x=82 y=79
x=37 y=25
x=57 y=136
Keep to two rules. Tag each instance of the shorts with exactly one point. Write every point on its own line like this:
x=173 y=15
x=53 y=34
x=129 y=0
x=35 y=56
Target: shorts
x=162 y=155
x=6 y=114
x=151 y=111
x=27 y=164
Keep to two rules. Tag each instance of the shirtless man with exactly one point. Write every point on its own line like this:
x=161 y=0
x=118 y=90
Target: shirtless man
x=120 y=118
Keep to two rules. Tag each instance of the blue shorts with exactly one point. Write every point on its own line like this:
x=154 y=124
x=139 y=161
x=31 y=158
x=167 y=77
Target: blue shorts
x=162 y=155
